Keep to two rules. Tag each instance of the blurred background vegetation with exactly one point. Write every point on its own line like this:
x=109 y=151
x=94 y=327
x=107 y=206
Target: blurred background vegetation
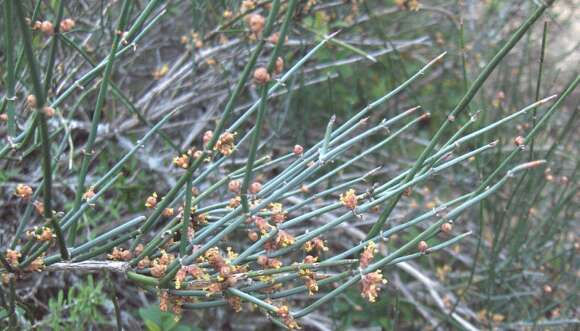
x=518 y=271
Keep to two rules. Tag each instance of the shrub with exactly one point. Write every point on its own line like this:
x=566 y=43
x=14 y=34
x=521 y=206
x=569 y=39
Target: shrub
x=239 y=226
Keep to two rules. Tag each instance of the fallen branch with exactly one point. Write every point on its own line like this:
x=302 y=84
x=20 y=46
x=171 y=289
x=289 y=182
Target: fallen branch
x=90 y=266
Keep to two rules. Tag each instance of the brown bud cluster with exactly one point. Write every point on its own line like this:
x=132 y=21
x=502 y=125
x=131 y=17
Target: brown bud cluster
x=278 y=212
x=235 y=186
x=181 y=161
x=151 y=201
x=89 y=194
x=284 y=239
x=23 y=191
x=47 y=28
x=227 y=14
x=309 y=278
x=36 y=265
x=446 y=228
x=225 y=143
x=262 y=224
x=168 y=212
x=279 y=66
x=298 y=150
x=422 y=247
x=159 y=265
x=284 y=313
x=120 y=254
x=67 y=25
x=31 y=101
x=40 y=233
x=234 y=202
x=247 y=5
x=39 y=207
x=349 y=199
x=267 y=262
x=519 y=141
x=275 y=37
x=261 y=76
x=371 y=285
x=12 y=256
x=256 y=23
x=48 y=111
x=315 y=244
x=411 y=5
x=368 y=255
x=253 y=236
x=207 y=136
x=255 y=187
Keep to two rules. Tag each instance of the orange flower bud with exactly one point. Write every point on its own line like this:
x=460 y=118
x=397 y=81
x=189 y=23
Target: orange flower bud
x=256 y=23
x=261 y=76
x=234 y=186
x=48 y=111
x=446 y=228
x=519 y=141
x=253 y=235
x=207 y=136
x=67 y=24
x=422 y=247
x=47 y=28
x=167 y=212
x=151 y=201
x=279 y=66
x=262 y=260
x=298 y=150
x=23 y=191
x=255 y=187
x=31 y=101
x=349 y=199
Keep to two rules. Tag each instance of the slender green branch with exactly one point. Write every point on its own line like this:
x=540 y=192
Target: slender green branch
x=539 y=81
x=89 y=145
x=264 y=96
x=10 y=75
x=185 y=220
x=461 y=106
x=43 y=130
x=53 y=47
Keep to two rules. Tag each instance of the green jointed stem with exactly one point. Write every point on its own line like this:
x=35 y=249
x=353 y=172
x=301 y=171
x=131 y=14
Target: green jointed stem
x=145 y=280
x=118 y=93
x=12 y=295
x=326 y=140
x=535 y=131
x=462 y=54
x=10 y=75
x=350 y=125
x=32 y=122
x=217 y=132
x=539 y=81
x=515 y=193
x=43 y=129
x=264 y=97
x=53 y=48
x=86 y=78
x=461 y=106
x=88 y=149
x=185 y=220
x=397 y=255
